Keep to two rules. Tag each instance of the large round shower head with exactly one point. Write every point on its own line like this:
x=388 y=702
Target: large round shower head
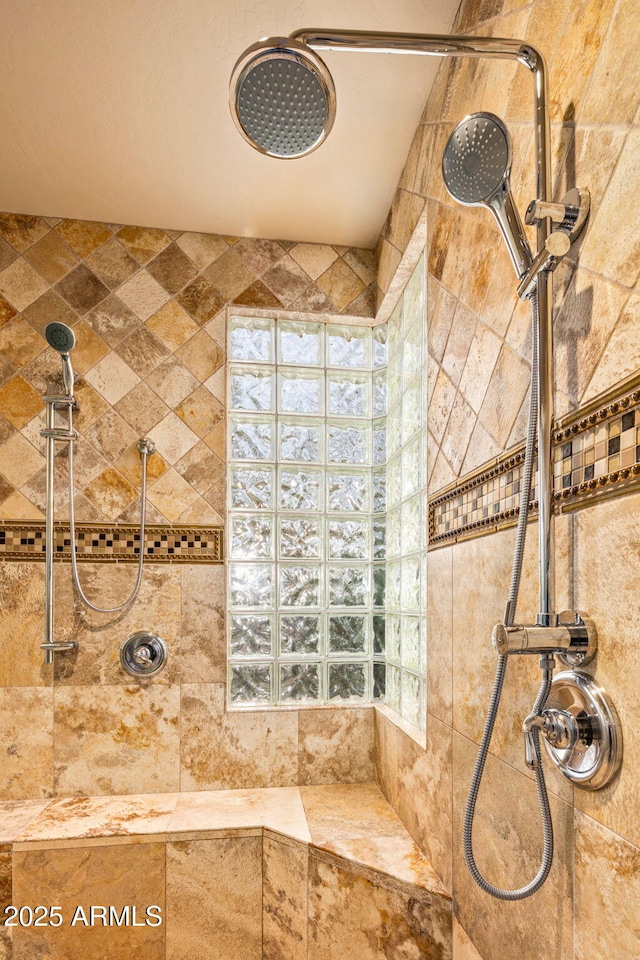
x=60 y=337
x=477 y=159
x=282 y=98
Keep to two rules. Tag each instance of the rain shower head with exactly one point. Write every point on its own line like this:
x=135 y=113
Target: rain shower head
x=282 y=98
x=476 y=166
x=63 y=339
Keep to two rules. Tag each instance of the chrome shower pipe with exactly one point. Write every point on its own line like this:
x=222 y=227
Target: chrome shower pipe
x=440 y=45
x=52 y=434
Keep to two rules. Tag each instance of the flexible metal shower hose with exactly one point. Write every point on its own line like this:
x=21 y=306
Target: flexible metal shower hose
x=516 y=572
x=72 y=533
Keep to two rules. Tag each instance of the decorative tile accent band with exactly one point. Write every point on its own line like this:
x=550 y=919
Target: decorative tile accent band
x=596 y=453
x=184 y=544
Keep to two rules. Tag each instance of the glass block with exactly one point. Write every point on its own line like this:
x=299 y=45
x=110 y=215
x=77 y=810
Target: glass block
x=301 y=489
x=394 y=431
x=300 y=392
x=348 y=443
x=300 y=635
x=394 y=533
x=348 y=347
x=395 y=330
x=251 y=339
x=380 y=442
x=379 y=629
x=301 y=440
x=251 y=585
x=299 y=586
x=411 y=359
x=393 y=585
x=251 y=636
x=348 y=586
x=379 y=575
x=412 y=406
x=394 y=481
x=379 y=491
x=299 y=538
x=252 y=389
x=348 y=634
x=412 y=457
x=348 y=395
x=380 y=393
x=347 y=681
x=412 y=533
x=299 y=682
x=251 y=538
x=348 y=491
x=252 y=488
x=348 y=539
x=380 y=353
x=410 y=643
x=251 y=683
x=393 y=638
x=410 y=698
x=379 y=538
x=251 y=439
x=392 y=692
x=300 y=343
x=411 y=577
x=379 y=672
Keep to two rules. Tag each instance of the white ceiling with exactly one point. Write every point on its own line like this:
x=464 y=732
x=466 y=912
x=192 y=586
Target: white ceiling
x=117 y=110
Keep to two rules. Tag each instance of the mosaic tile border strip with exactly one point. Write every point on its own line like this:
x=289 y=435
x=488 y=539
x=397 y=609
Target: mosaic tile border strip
x=596 y=453
x=103 y=544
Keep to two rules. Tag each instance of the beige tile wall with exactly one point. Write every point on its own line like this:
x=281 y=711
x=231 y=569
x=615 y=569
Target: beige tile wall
x=148 y=310
x=478 y=366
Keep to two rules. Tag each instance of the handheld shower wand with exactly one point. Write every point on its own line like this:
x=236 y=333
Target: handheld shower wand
x=63 y=339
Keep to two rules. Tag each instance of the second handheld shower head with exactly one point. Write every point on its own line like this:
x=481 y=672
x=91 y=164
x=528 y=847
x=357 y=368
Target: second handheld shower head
x=476 y=166
x=63 y=339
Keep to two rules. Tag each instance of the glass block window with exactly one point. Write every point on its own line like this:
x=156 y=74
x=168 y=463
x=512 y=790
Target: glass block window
x=302 y=592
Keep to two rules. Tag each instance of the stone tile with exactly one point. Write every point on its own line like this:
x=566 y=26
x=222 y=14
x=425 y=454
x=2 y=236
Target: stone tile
x=143 y=294
x=17 y=507
x=284 y=900
x=19 y=342
x=21 y=285
x=110 y=493
x=440 y=634
x=481 y=360
x=201 y=514
x=234 y=750
x=258 y=295
x=313 y=300
x=346 y=918
x=19 y=402
x=99 y=741
x=362 y=262
x=258 y=255
x=202 y=624
x=19 y=459
x=201 y=355
x=21 y=593
x=172 y=438
x=614 y=66
x=92 y=875
x=229 y=275
x=461 y=336
x=142 y=351
x=364 y=304
x=216 y=496
x=110 y=435
x=112 y=321
x=201 y=411
x=214 y=899
x=340 y=283
x=463 y=948
x=172 y=495
x=440 y=407
x=497 y=309
x=278 y=809
x=507 y=848
x=6 y=311
x=201 y=468
x=586 y=23
x=442 y=474
x=129 y=464
x=404 y=216
x=47 y=308
x=459 y=429
x=620 y=356
x=143 y=243
x=83 y=236
x=172 y=325
x=172 y=269
x=81 y=289
x=112 y=378
x=85 y=817
x=16 y=815
x=142 y=408
x=336 y=745
x=386 y=756
x=7 y=254
x=172 y=381
x=25 y=719
x=22 y=230
x=201 y=300
x=314 y=258
x=439 y=327
x=607 y=895
x=482 y=447
x=504 y=395
x=202 y=248
x=51 y=257
x=91 y=405
x=349 y=811
x=112 y=264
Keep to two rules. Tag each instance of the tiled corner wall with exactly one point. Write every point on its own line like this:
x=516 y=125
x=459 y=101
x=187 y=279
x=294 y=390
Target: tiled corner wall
x=478 y=373
x=148 y=309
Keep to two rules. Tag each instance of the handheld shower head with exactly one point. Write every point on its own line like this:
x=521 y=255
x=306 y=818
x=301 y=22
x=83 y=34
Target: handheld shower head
x=476 y=166
x=282 y=98
x=63 y=339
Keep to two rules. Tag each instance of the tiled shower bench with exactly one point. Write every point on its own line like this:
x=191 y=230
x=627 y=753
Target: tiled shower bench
x=309 y=873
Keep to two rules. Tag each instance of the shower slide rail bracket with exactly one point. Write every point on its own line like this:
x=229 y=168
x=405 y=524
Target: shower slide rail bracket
x=572 y=635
